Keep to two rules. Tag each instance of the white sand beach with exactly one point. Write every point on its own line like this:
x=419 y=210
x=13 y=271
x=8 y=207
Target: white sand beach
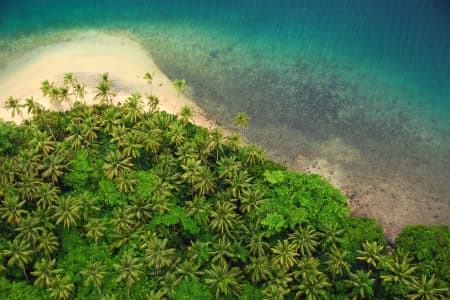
x=86 y=55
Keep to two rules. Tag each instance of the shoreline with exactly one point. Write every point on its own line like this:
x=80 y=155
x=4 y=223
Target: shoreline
x=86 y=55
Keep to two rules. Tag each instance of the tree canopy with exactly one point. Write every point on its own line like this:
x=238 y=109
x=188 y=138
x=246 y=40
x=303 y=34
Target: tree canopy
x=119 y=202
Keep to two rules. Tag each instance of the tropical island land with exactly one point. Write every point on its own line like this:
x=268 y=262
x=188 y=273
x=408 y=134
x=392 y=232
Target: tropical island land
x=110 y=190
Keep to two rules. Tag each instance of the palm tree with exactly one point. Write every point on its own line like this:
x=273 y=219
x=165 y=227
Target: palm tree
x=43 y=218
x=29 y=161
x=94 y=274
x=168 y=283
x=426 y=290
x=253 y=154
x=47 y=195
x=155 y=295
x=400 y=271
x=121 y=221
x=251 y=200
x=241 y=120
x=64 y=95
x=48 y=243
x=76 y=137
x=186 y=114
x=133 y=143
x=307 y=267
x=11 y=210
x=79 y=90
x=140 y=209
x=61 y=287
x=216 y=142
x=258 y=269
x=306 y=238
x=134 y=108
x=55 y=97
x=28 y=185
x=104 y=76
x=45 y=88
x=361 y=285
x=30 y=104
x=90 y=128
x=67 y=211
x=158 y=255
x=191 y=169
x=177 y=134
x=179 y=85
x=161 y=204
x=130 y=270
x=53 y=166
x=152 y=141
x=336 y=263
x=95 y=229
x=104 y=93
x=204 y=181
x=111 y=119
x=116 y=163
x=227 y=167
x=29 y=231
x=69 y=79
x=239 y=183
x=331 y=235
x=313 y=288
x=224 y=280
x=41 y=143
x=200 y=209
x=126 y=181
x=152 y=103
x=224 y=217
x=149 y=77
x=199 y=252
x=274 y=292
x=19 y=254
x=13 y=104
x=284 y=254
x=188 y=270
x=221 y=250
x=280 y=278
x=233 y=141
x=256 y=245
x=45 y=272
x=371 y=253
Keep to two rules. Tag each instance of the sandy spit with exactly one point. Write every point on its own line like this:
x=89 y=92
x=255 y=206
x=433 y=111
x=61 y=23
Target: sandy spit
x=86 y=55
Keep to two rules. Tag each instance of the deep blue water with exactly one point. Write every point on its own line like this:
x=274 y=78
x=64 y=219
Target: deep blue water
x=373 y=73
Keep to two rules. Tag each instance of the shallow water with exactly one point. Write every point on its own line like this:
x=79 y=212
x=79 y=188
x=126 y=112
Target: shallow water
x=362 y=84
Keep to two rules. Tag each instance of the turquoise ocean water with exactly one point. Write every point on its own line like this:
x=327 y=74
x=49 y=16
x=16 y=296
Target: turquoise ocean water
x=373 y=74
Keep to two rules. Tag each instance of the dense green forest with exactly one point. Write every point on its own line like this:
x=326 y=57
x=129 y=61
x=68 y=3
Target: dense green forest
x=127 y=202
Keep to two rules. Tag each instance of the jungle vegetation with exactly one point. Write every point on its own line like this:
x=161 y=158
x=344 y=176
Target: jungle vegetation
x=128 y=202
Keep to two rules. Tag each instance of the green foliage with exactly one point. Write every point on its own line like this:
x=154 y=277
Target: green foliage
x=294 y=198
x=146 y=183
x=430 y=245
x=151 y=207
x=11 y=138
x=21 y=291
x=177 y=215
x=359 y=230
x=109 y=194
x=192 y=290
x=82 y=175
